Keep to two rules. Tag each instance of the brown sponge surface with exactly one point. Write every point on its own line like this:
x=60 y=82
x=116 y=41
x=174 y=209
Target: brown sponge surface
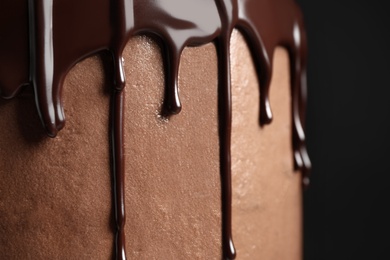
x=55 y=194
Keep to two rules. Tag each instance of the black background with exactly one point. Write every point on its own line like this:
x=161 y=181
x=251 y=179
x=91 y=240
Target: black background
x=346 y=209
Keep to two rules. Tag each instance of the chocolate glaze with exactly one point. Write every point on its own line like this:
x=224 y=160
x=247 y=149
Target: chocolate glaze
x=42 y=44
x=118 y=170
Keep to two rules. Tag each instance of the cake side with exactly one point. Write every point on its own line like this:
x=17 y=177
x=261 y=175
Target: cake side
x=173 y=189
x=55 y=193
x=267 y=193
x=264 y=25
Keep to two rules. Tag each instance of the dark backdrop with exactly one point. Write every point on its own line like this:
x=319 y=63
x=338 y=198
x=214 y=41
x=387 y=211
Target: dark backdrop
x=346 y=209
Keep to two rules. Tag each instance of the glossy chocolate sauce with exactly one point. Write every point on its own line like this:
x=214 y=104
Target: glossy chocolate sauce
x=41 y=40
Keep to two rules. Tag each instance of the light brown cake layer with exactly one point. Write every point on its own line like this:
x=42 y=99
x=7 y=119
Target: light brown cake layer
x=55 y=194
x=267 y=206
x=173 y=196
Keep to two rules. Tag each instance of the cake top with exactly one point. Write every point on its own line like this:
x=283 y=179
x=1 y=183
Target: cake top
x=41 y=40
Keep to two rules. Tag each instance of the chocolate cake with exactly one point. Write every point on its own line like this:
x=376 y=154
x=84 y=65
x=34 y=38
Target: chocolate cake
x=142 y=170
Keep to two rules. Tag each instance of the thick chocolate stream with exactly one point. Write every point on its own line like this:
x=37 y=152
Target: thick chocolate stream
x=41 y=40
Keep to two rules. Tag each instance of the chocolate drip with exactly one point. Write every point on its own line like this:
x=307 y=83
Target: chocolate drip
x=228 y=14
x=298 y=89
x=175 y=25
x=121 y=24
x=118 y=171
x=42 y=60
x=287 y=31
x=57 y=43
